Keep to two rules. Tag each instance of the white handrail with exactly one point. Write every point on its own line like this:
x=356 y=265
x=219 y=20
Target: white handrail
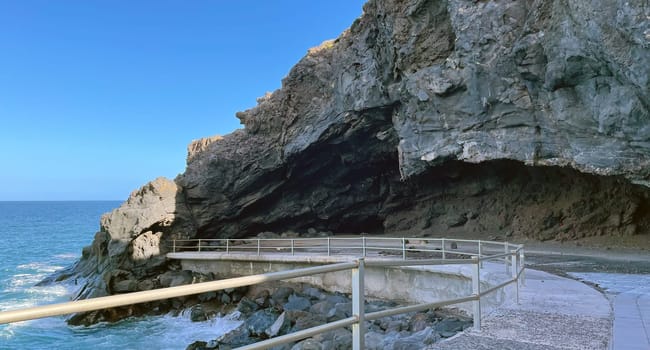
x=163 y=293
x=514 y=257
x=330 y=243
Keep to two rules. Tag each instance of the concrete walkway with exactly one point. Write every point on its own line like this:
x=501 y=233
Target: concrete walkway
x=632 y=321
x=630 y=296
x=553 y=313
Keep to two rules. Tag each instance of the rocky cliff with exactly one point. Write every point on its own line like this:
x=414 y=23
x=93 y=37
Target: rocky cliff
x=519 y=118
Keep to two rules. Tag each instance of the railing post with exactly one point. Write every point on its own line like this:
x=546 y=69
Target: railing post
x=328 y=246
x=522 y=266
x=515 y=270
x=480 y=254
x=227 y=246
x=505 y=260
x=174 y=246
x=476 y=291
x=363 y=246
x=443 y=249
x=403 y=248
x=358 y=292
x=199 y=244
x=292 y=246
x=258 y=246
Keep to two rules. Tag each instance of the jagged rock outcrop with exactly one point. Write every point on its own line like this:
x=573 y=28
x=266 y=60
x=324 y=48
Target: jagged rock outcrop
x=128 y=253
x=523 y=117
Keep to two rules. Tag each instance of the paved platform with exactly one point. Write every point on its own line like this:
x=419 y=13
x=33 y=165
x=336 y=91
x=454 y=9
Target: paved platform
x=553 y=313
x=632 y=320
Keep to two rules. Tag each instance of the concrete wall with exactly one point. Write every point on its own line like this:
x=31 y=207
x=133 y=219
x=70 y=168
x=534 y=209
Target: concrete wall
x=405 y=284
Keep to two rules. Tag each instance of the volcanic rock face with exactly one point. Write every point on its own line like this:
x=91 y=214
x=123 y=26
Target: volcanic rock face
x=376 y=131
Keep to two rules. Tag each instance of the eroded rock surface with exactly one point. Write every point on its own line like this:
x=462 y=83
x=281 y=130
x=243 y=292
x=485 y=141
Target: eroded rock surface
x=375 y=131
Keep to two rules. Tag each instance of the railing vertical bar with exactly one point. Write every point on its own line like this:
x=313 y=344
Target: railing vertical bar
x=363 y=246
x=522 y=264
x=227 y=246
x=403 y=248
x=443 y=249
x=506 y=260
x=328 y=246
x=174 y=246
x=199 y=244
x=476 y=290
x=515 y=272
x=480 y=254
x=358 y=293
x=258 y=246
x=292 y=241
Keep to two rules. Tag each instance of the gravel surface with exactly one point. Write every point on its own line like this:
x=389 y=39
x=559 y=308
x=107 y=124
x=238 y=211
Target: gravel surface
x=554 y=313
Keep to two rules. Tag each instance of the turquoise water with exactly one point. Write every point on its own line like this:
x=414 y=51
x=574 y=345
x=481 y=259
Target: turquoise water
x=38 y=238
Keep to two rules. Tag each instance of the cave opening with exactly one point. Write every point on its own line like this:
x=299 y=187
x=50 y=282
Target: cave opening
x=349 y=182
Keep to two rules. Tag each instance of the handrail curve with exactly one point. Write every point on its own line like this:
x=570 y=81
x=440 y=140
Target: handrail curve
x=479 y=251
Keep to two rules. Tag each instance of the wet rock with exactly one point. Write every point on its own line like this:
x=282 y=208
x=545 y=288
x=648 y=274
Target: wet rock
x=125 y=286
x=416 y=340
x=339 y=339
x=260 y=321
x=238 y=337
x=281 y=295
x=247 y=306
x=395 y=332
x=262 y=298
x=419 y=322
x=324 y=307
x=308 y=344
x=280 y=326
x=225 y=298
x=450 y=326
x=197 y=313
x=146 y=285
x=297 y=303
x=336 y=299
x=342 y=310
x=313 y=293
x=207 y=296
x=303 y=320
x=175 y=278
x=198 y=345
x=374 y=341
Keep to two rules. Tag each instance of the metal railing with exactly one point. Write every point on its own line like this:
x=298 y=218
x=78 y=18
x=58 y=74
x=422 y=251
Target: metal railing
x=512 y=256
x=358 y=246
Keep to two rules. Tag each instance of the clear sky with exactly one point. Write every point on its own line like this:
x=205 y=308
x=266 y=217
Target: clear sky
x=99 y=97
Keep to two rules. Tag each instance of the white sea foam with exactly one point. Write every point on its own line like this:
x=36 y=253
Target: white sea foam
x=40 y=267
x=67 y=256
x=161 y=332
x=20 y=272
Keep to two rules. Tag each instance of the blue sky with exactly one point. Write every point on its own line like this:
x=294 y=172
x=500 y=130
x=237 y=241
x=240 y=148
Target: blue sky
x=99 y=97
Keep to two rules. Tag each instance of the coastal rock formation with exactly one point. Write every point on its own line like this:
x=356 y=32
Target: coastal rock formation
x=509 y=118
x=276 y=311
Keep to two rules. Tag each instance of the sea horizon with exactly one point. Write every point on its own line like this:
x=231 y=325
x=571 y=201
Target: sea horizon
x=58 y=200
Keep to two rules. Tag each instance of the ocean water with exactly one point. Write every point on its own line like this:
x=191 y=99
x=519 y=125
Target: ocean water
x=38 y=238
